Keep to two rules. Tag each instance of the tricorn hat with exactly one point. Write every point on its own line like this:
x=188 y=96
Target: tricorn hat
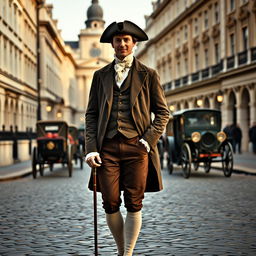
x=126 y=27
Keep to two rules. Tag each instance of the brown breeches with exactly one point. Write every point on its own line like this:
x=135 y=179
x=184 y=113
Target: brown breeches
x=124 y=167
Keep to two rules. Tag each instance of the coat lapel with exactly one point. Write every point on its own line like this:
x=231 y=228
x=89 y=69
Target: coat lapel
x=138 y=77
x=107 y=79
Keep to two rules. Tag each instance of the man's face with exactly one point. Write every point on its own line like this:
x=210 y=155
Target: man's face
x=123 y=45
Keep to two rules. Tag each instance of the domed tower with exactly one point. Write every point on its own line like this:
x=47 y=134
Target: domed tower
x=95 y=16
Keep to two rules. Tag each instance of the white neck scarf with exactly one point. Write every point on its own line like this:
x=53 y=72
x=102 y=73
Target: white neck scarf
x=122 y=66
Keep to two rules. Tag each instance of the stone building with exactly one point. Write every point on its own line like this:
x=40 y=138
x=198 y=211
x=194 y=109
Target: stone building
x=18 y=87
x=58 y=87
x=90 y=55
x=205 y=53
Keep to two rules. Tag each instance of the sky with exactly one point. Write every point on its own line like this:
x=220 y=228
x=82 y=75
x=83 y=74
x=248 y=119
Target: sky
x=71 y=14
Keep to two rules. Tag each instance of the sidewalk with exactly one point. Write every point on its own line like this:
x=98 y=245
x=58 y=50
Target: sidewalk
x=243 y=164
x=15 y=171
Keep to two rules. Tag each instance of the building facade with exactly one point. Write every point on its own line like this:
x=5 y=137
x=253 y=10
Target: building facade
x=41 y=75
x=18 y=87
x=205 y=53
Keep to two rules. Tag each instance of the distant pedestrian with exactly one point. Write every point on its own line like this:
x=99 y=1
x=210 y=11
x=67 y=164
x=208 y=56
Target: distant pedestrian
x=163 y=147
x=227 y=131
x=236 y=134
x=252 y=136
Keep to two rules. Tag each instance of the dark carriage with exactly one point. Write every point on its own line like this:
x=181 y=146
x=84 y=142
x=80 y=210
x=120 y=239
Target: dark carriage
x=76 y=146
x=198 y=139
x=53 y=146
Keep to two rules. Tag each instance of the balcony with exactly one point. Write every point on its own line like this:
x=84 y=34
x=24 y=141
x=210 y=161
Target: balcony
x=242 y=57
x=230 y=62
x=167 y=86
x=185 y=80
x=177 y=82
x=205 y=73
x=195 y=76
x=253 y=54
x=217 y=68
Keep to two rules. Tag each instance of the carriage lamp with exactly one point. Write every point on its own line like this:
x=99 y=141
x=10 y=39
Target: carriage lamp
x=196 y=137
x=220 y=96
x=50 y=145
x=221 y=136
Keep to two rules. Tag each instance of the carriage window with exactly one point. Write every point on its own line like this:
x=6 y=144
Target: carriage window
x=201 y=119
x=51 y=128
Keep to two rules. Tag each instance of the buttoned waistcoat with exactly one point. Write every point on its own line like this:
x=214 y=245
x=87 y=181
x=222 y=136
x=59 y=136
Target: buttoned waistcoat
x=146 y=97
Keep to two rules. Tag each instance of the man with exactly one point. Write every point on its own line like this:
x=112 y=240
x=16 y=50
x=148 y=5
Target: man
x=121 y=137
x=252 y=136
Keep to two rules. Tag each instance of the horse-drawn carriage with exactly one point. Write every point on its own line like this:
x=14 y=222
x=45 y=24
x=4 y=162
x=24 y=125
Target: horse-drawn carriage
x=198 y=139
x=53 y=146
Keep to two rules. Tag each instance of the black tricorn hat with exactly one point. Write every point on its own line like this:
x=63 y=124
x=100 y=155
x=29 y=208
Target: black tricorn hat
x=126 y=28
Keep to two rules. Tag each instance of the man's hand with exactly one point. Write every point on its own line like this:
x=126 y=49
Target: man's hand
x=94 y=161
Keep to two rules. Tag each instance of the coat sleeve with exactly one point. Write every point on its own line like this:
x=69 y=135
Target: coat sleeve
x=159 y=107
x=91 y=118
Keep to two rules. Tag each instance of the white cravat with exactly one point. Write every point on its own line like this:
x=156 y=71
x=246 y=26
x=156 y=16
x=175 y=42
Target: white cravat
x=122 y=68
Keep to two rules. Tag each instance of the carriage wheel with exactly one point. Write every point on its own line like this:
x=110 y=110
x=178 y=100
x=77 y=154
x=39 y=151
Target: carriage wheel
x=34 y=163
x=41 y=169
x=69 y=162
x=227 y=159
x=186 y=160
x=207 y=166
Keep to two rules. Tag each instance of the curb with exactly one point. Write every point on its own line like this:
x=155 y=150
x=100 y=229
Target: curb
x=16 y=175
x=27 y=172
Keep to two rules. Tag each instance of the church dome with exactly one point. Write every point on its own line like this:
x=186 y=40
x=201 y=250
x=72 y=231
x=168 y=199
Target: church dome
x=94 y=13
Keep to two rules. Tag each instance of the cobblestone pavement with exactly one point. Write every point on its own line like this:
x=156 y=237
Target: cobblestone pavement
x=207 y=214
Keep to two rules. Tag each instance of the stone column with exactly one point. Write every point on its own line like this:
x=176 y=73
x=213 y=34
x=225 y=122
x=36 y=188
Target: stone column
x=226 y=111
x=242 y=120
x=81 y=92
x=2 y=100
x=2 y=51
x=252 y=92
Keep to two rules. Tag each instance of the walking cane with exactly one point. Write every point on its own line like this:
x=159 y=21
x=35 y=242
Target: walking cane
x=94 y=170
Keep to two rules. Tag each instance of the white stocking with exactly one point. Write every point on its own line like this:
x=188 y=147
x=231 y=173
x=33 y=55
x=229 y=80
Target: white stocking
x=132 y=228
x=116 y=225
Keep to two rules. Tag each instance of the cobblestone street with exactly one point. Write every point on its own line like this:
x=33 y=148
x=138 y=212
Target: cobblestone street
x=207 y=214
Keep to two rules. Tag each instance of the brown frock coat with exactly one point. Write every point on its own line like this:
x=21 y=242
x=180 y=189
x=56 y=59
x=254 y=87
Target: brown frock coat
x=146 y=97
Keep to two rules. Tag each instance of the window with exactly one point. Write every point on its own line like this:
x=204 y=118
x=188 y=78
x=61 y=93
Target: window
x=186 y=66
x=206 y=57
x=178 y=69
x=178 y=7
x=196 y=62
x=232 y=5
x=243 y=1
x=217 y=53
x=216 y=13
x=205 y=20
x=196 y=26
x=245 y=38
x=186 y=32
x=232 y=44
x=177 y=38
